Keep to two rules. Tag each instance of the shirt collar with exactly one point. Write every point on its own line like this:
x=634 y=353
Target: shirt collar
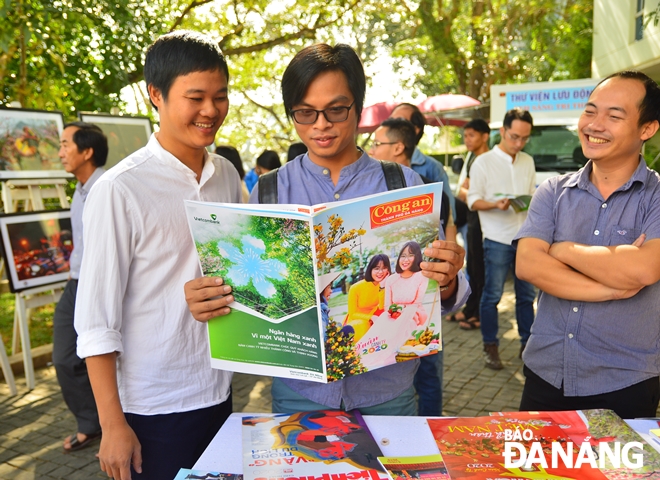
x=84 y=189
x=582 y=179
x=351 y=169
x=167 y=158
x=502 y=154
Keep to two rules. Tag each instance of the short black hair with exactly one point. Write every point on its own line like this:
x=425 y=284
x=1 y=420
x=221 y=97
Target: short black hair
x=373 y=263
x=91 y=136
x=311 y=61
x=417 y=118
x=269 y=160
x=401 y=130
x=295 y=149
x=649 y=109
x=180 y=53
x=416 y=251
x=231 y=154
x=478 y=125
x=517 y=114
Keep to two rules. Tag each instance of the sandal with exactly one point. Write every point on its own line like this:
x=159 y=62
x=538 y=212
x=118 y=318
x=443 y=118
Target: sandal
x=454 y=317
x=470 y=324
x=79 y=445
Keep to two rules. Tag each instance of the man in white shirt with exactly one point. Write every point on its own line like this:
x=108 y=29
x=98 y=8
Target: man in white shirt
x=83 y=151
x=159 y=401
x=504 y=170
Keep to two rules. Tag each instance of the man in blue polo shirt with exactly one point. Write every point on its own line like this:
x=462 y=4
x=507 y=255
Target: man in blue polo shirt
x=323 y=90
x=591 y=243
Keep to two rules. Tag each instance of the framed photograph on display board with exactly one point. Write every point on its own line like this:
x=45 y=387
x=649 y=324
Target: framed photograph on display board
x=36 y=248
x=29 y=143
x=126 y=134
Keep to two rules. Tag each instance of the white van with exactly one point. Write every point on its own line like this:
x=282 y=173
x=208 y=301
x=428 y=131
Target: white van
x=555 y=108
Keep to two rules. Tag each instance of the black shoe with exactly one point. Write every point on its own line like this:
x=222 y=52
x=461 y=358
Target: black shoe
x=492 y=356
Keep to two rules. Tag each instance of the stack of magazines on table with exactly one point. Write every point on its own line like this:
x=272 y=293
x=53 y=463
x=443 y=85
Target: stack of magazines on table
x=337 y=445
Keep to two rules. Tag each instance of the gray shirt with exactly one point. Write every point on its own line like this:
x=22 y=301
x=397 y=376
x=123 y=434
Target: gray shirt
x=595 y=347
x=301 y=181
x=77 y=204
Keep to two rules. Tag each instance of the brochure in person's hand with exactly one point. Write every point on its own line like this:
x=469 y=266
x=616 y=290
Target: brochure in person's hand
x=519 y=203
x=322 y=292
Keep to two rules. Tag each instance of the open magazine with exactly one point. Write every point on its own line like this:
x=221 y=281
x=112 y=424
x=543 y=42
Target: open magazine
x=322 y=292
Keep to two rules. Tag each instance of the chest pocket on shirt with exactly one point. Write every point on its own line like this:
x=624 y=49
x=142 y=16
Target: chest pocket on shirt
x=623 y=235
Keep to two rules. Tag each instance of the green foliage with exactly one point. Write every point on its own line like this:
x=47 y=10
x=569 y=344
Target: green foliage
x=79 y=55
x=41 y=324
x=286 y=241
x=504 y=41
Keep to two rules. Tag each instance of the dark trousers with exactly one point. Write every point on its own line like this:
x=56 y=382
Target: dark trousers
x=176 y=440
x=428 y=385
x=71 y=370
x=639 y=400
x=475 y=265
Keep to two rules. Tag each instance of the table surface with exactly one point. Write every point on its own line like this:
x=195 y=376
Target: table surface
x=396 y=436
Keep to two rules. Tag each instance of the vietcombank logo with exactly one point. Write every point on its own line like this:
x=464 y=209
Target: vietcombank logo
x=563 y=455
x=206 y=220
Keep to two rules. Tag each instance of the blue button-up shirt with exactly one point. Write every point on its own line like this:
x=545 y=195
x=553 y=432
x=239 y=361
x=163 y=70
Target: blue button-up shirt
x=430 y=168
x=301 y=181
x=77 y=205
x=595 y=347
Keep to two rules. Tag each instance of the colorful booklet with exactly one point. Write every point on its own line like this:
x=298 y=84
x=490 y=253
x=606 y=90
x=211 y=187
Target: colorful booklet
x=322 y=292
x=473 y=448
x=428 y=467
x=323 y=444
x=187 y=474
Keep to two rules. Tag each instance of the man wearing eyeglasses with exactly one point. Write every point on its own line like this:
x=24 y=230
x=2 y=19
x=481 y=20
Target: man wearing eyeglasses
x=323 y=90
x=503 y=172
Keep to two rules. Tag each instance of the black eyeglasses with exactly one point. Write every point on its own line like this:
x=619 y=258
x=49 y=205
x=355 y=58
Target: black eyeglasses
x=308 y=116
x=377 y=143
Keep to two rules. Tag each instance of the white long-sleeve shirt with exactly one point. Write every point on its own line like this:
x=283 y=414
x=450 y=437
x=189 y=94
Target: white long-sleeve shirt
x=494 y=172
x=138 y=255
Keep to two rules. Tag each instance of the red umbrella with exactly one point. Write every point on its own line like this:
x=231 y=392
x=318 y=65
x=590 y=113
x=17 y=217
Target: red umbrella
x=446 y=101
x=374 y=115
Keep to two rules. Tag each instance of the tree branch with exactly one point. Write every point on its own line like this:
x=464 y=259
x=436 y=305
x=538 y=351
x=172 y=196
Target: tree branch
x=270 y=110
x=194 y=4
x=305 y=32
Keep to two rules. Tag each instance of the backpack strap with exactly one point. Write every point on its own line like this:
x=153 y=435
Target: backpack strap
x=268 y=187
x=393 y=175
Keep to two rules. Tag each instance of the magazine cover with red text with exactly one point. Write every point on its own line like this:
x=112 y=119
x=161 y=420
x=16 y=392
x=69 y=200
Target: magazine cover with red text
x=316 y=445
x=473 y=448
x=598 y=426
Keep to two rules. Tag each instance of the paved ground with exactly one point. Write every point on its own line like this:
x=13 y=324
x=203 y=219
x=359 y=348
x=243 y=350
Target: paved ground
x=33 y=424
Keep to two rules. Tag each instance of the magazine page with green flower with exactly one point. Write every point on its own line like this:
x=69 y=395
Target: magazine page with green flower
x=265 y=255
